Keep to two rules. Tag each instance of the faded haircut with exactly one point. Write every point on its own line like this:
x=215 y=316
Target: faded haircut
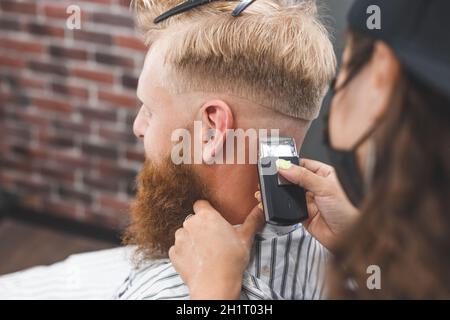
x=277 y=53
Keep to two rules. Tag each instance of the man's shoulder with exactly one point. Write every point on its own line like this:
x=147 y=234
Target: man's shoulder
x=153 y=280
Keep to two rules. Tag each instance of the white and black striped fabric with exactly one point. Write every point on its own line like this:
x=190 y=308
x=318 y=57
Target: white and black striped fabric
x=282 y=266
x=84 y=276
x=287 y=266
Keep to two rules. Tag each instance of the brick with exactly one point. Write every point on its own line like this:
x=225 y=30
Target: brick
x=113 y=60
x=47 y=119
x=11 y=62
x=58 y=141
x=104 y=151
x=33 y=186
x=129 y=81
x=46 y=67
x=52 y=104
x=91 y=114
x=112 y=170
x=113 y=19
x=45 y=30
x=16 y=132
x=70 y=90
x=38 y=154
x=130 y=117
x=118 y=99
x=54 y=11
x=117 y=135
x=10 y=115
x=5 y=98
x=24 y=166
x=62 y=125
x=64 y=52
x=102 y=184
x=106 y=219
x=134 y=155
x=125 y=3
x=34 y=119
x=62 y=208
x=106 y=2
x=17 y=97
x=20 y=151
x=59 y=174
x=130 y=42
x=68 y=193
x=30 y=82
x=90 y=36
x=20 y=99
x=8 y=24
x=131 y=188
x=22 y=45
x=113 y=203
x=18 y=7
x=60 y=12
x=97 y=76
x=73 y=161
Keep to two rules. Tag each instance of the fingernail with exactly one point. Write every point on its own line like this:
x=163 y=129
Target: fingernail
x=260 y=205
x=257 y=194
x=283 y=164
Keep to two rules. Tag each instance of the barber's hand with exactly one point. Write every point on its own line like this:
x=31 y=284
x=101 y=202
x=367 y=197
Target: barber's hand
x=330 y=211
x=211 y=255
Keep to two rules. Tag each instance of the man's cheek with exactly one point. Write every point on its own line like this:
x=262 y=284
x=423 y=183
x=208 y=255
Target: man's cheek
x=157 y=147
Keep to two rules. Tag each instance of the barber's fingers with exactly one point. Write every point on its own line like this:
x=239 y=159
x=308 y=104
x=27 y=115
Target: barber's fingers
x=182 y=248
x=181 y=234
x=304 y=178
x=180 y=255
x=312 y=208
x=203 y=208
x=317 y=167
x=204 y=215
x=252 y=224
x=203 y=211
x=258 y=196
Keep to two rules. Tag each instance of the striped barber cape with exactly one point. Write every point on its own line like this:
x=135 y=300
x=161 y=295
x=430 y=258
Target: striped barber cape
x=284 y=264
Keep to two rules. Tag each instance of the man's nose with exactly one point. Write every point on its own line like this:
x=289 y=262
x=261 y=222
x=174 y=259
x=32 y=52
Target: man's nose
x=139 y=126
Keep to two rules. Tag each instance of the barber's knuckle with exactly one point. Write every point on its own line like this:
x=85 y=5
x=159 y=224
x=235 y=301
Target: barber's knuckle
x=187 y=223
x=301 y=174
x=202 y=214
x=200 y=205
x=331 y=170
x=172 y=252
x=179 y=234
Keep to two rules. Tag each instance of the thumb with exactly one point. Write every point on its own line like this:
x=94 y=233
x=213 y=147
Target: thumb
x=252 y=224
x=301 y=176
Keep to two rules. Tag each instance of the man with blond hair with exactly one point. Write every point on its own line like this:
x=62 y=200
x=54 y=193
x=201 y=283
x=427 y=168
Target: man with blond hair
x=213 y=67
x=266 y=68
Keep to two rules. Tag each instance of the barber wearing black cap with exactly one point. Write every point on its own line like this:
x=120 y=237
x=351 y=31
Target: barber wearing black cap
x=389 y=142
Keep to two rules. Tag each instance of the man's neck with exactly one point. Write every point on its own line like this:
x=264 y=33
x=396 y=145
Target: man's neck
x=232 y=190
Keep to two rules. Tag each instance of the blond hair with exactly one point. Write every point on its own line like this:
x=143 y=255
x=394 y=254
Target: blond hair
x=277 y=53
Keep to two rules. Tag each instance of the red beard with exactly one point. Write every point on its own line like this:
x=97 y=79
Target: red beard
x=165 y=196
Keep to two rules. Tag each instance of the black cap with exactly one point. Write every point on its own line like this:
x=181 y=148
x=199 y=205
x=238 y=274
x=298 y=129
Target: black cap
x=417 y=30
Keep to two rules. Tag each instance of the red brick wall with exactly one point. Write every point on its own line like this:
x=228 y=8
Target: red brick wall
x=67 y=103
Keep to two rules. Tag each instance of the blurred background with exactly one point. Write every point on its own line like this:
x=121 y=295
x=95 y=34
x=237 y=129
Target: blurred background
x=68 y=157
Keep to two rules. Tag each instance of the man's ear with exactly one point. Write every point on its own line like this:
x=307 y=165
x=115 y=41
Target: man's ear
x=217 y=118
